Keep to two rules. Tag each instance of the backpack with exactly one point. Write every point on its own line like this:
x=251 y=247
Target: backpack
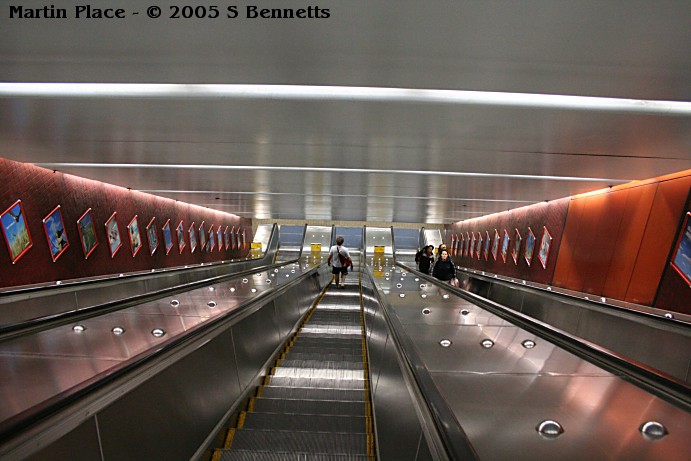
x=418 y=255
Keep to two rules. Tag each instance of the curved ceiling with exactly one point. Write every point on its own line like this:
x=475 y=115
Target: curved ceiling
x=279 y=153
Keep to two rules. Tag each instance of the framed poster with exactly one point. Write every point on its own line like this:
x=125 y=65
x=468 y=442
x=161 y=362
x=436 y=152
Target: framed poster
x=167 y=237
x=495 y=244
x=87 y=233
x=202 y=237
x=17 y=236
x=529 y=247
x=545 y=244
x=233 y=240
x=478 y=249
x=227 y=236
x=219 y=237
x=516 y=246
x=505 y=245
x=193 y=238
x=461 y=245
x=472 y=245
x=681 y=261
x=244 y=239
x=212 y=239
x=467 y=243
x=135 y=236
x=55 y=233
x=487 y=242
x=151 y=235
x=180 y=231
x=113 y=235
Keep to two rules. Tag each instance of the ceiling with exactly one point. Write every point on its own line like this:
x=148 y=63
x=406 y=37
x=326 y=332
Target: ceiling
x=358 y=150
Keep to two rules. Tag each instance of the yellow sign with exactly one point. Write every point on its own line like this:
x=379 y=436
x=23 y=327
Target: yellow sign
x=316 y=247
x=256 y=245
x=378 y=249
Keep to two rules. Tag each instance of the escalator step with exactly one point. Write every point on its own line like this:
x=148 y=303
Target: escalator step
x=308 y=407
x=322 y=364
x=324 y=383
x=245 y=455
x=309 y=423
x=319 y=373
x=304 y=393
x=355 y=356
x=300 y=442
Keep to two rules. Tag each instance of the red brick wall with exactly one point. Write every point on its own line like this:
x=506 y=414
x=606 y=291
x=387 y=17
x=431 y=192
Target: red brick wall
x=41 y=190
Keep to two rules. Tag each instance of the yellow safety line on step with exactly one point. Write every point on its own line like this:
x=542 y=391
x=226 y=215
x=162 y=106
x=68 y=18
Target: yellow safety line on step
x=250 y=405
x=229 y=438
x=241 y=420
x=217 y=455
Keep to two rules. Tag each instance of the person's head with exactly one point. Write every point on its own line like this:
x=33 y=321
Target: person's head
x=442 y=247
x=339 y=240
x=444 y=255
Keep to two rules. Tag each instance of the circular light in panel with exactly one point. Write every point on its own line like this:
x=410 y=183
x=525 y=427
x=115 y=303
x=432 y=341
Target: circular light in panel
x=211 y=304
x=445 y=343
x=550 y=429
x=174 y=303
x=118 y=330
x=487 y=343
x=528 y=343
x=78 y=328
x=426 y=311
x=158 y=332
x=653 y=430
x=465 y=312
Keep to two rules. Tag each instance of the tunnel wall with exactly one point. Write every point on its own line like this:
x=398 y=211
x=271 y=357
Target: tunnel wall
x=41 y=190
x=617 y=243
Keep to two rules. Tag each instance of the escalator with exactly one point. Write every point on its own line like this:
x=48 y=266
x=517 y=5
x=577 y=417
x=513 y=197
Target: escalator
x=315 y=403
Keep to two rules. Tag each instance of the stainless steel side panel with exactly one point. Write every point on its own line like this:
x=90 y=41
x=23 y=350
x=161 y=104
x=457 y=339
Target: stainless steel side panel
x=398 y=428
x=551 y=311
x=600 y=416
x=167 y=416
x=81 y=444
x=255 y=339
x=641 y=342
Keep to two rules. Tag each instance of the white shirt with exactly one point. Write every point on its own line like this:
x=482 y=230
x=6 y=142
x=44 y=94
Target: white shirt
x=333 y=252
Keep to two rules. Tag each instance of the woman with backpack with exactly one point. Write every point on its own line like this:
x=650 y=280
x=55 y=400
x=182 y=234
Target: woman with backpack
x=425 y=259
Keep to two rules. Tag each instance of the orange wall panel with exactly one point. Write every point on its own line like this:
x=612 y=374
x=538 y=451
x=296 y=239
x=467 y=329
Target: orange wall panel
x=660 y=235
x=608 y=210
x=568 y=250
x=636 y=211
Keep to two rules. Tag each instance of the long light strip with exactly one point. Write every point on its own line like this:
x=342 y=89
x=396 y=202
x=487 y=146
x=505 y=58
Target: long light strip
x=341 y=93
x=296 y=194
x=55 y=166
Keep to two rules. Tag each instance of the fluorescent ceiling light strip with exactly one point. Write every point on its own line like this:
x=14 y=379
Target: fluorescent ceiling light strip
x=464 y=174
x=296 y=194
x=341 y=93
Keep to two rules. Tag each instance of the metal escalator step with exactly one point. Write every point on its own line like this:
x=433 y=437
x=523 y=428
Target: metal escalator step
x=309 y=423
x=319 y=373
x=311 y=340
x=308 y=407
x=355 y=356
x=288 y=362
x=300 y=442
x=286 y=381
x=246 y=455
x=299 y=351
x=304 y=393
